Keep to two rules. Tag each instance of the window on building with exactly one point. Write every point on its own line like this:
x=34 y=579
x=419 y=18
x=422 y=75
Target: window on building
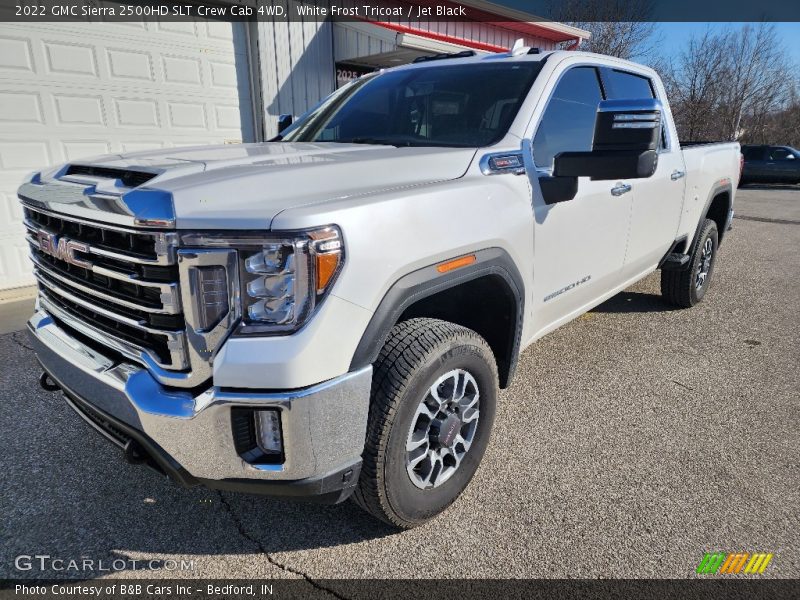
x=568 y=121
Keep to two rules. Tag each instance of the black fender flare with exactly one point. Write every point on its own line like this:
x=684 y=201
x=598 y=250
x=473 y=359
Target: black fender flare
x=428 y=281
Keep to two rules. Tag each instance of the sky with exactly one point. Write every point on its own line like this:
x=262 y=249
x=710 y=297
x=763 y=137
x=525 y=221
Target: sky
x=676 y=35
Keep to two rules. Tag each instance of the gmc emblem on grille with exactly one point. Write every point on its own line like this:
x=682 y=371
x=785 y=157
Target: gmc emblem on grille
x=62 y=248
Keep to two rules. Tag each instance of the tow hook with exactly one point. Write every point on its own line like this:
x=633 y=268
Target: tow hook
x=134 y=454
x=47 y=383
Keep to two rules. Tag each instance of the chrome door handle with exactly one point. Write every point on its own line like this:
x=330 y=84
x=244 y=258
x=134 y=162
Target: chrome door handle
x=621 y=188
x=676 y=175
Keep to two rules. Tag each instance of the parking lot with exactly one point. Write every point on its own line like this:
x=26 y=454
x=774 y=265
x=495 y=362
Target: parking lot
x=633 y=440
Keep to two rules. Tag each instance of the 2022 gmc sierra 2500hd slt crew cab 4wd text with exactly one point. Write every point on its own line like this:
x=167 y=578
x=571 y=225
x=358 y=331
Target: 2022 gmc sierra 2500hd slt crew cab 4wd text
x=332 y=313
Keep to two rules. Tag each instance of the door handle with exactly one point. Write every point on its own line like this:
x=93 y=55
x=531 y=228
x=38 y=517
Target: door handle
x=621 y=188
x=676 y=175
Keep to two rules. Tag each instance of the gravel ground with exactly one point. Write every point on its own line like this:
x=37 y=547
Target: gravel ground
x=633 y=440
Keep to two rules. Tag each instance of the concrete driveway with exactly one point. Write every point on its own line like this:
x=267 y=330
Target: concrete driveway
x=632 y=441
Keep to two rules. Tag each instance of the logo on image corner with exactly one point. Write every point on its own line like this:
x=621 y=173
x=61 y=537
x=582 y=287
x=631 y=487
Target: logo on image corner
x=722 y=563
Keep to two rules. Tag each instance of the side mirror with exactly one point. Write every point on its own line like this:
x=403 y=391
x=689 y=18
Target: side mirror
x=626 y=137
x=284 y=121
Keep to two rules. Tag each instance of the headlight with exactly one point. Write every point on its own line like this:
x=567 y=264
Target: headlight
x=283 y=277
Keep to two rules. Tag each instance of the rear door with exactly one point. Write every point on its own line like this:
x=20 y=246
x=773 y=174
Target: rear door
x=579 y=245
x=657 y=200
x=754 y=163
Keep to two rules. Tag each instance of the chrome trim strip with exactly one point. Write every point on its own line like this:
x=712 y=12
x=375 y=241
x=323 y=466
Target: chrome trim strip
x=170 y=297
x=82 y=201
x=172 y=309
x=203 y=345
x=636 y=125
x=632 y=105
x=127 y=349
x=55 y=288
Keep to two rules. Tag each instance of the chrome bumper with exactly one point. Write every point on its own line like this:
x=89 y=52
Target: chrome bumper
x=324 y=426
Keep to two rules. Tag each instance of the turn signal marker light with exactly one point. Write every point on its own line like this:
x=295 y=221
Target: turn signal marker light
x=456 y=263
x=326 y=269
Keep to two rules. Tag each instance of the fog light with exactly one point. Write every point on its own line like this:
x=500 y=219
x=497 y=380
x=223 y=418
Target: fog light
x=268 y=431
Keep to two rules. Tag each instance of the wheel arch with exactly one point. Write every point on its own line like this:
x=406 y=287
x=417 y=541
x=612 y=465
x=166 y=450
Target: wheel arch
x=487 y=293
x=717 y=208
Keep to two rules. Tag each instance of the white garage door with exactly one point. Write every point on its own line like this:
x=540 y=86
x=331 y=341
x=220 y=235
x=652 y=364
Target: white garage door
x=74 y=90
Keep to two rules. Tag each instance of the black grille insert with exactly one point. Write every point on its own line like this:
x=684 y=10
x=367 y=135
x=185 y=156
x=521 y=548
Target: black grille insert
x=156 y=343
x=128 y=178
x=133 y=244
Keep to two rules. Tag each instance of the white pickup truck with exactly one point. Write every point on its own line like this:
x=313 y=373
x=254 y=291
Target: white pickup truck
x=332 y=313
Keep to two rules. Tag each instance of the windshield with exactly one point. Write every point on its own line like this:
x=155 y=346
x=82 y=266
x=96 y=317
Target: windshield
x=468 y=105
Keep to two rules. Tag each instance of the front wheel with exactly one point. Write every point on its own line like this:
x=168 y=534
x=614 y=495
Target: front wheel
x=434 y=392
x=687 y=287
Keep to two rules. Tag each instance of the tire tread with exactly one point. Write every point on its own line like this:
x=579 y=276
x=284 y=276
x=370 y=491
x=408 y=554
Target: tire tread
x=409 y=345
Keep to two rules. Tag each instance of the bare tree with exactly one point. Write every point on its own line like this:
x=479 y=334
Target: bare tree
x=694 y=83
x=758 y=77
x=732 y=85
x=619 y=27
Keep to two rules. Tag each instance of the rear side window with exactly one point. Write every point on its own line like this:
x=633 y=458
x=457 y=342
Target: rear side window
x=621 y=85
x=568 y=121
x=753 y=153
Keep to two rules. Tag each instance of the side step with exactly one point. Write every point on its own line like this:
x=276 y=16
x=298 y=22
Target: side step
x=675 y=262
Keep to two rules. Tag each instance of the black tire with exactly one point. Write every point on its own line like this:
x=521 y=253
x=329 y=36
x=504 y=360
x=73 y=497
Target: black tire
x=680 y=288
x=417 y=353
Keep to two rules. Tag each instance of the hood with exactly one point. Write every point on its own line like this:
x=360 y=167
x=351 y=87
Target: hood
x=244 y=186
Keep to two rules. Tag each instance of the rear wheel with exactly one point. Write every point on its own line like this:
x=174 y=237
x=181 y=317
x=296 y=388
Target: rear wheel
x=434 y=392
x=687 y=287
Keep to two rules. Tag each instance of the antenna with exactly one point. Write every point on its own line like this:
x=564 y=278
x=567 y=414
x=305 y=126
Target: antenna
x=518 y=48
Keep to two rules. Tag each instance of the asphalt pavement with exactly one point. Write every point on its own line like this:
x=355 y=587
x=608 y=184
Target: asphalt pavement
x=633 y=440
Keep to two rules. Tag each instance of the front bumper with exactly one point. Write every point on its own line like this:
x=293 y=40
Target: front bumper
x=190 y=438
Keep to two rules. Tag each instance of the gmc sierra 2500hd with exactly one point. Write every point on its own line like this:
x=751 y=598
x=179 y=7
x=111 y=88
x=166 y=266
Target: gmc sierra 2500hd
x=333 y=312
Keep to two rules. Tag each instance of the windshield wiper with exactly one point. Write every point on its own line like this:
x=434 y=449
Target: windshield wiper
x=375 y=141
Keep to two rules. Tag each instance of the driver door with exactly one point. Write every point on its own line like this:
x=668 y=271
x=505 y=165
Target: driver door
x=579 y=245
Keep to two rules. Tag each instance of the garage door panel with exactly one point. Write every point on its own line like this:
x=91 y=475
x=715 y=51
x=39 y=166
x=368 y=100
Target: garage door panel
x=130 y=64
x=70 y=58
x=22 y=157
x=187 y=115
x=75 y=149
x=10 y=215
x=14 y=263
x=136 y=112
x=23 y=108
x=141 y=146
x=78 y=110
x=181 y=70
x=72 y=91
x=16 y=54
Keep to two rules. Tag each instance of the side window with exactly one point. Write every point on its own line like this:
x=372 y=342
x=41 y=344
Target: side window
x=780 y=154
x=568 y=121
x=753 y=153
x=621 y=85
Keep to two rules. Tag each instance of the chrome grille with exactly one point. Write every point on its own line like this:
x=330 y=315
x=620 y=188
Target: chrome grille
x=119 y=289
